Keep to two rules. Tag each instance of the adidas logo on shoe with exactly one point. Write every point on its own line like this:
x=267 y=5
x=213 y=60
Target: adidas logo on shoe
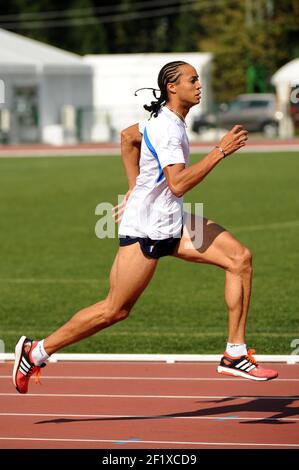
x=24 y=367
x=245 y=366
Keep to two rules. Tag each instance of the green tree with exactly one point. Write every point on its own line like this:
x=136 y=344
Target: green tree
x=62 y=30
x=249 y=38
x=187 y=34
x=86 y=38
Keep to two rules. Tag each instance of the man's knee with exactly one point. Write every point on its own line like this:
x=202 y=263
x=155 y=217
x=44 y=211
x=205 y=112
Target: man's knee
x=241 y=260
x=114 y=314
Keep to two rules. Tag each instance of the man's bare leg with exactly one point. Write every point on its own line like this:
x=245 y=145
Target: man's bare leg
x=130 y=274
x=220 y=248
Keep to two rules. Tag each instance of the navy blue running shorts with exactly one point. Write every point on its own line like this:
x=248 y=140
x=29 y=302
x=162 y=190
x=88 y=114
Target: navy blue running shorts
x=152 y=248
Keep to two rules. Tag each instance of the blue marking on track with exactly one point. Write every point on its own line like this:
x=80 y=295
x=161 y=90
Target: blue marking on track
x=226 y=418
x=127 y=441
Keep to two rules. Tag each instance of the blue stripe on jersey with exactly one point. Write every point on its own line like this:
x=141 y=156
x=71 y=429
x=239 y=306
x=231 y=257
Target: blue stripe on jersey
x=154 y=153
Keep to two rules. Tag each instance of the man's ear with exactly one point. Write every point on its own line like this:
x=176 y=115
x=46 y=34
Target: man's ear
x=171 y=88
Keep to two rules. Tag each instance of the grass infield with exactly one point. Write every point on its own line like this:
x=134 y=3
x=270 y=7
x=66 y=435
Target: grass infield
x=52 y=264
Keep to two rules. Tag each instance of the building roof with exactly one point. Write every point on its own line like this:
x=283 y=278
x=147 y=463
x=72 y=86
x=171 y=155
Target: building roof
x=19 y=53
x=117 y=76
x=146 y=60
x=287 y=73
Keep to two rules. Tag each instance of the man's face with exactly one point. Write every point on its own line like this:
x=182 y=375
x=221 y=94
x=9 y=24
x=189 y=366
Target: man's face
x=187 y=88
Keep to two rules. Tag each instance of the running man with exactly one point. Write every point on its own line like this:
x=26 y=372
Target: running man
x=155 y=157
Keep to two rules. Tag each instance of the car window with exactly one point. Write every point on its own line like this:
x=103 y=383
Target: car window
x=258 y=103
x=237 y=105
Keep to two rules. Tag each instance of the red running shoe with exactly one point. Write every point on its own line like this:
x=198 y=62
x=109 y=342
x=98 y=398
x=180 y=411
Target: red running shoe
x=24 y=367
x=245 y=366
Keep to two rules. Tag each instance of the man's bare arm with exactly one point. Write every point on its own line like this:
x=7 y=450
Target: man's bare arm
x=181 y=179
x=130 y=153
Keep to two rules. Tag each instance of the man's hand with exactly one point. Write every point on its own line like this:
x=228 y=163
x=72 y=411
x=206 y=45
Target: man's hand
x=119 y=208
x=234 y=140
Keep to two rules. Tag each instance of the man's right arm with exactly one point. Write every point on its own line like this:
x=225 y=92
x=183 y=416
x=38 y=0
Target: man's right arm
x=130 y=153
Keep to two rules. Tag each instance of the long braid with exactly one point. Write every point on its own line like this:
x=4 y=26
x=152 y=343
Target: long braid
x=168 y=74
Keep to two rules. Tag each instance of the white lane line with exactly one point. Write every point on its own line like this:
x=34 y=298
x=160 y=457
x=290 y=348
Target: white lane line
x=248 y=228
x=54 y=153
x=48 y=281
x=141 y=441
x=274 y=226
x=153 y=417
x=191 y=397
x=183 y=379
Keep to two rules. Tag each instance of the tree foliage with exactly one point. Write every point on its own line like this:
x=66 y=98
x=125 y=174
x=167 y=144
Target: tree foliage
x=251 y=35
x=250 y=39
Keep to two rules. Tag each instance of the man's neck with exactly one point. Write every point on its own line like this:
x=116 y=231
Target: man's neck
x=179 y=115
x=177 y=107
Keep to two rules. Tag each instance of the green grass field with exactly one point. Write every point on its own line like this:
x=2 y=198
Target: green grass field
x=52 y=264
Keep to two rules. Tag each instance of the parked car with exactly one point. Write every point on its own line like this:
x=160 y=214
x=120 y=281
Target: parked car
x=256 y=112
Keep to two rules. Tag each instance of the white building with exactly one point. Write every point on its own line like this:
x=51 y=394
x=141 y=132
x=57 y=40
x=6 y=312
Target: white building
x=53 y=96
x=43 y=88
x=285 y=79
x=117 y=76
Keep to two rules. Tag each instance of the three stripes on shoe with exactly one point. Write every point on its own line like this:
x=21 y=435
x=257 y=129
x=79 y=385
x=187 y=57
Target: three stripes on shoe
x=245 y=365
x=25 y=367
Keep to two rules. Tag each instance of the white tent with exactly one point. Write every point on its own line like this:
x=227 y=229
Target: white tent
x=43 y=87
x=284 y=80
x=117 y=76
x=288 y=73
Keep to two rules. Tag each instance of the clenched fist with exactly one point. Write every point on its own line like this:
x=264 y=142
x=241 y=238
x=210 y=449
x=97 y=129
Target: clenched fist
x=234 y=140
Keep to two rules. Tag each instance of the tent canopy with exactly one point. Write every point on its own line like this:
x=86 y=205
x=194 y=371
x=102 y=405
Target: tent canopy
x=288 y=73
x=19 y=53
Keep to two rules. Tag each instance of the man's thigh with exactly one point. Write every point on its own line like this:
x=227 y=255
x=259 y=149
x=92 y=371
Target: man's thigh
x=130 y=274
x=213 y=245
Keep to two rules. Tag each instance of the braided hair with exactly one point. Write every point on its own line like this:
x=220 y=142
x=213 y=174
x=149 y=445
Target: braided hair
x=168 y=74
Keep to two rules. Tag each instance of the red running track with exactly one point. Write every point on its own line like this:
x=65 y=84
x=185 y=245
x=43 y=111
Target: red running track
x=149 y=405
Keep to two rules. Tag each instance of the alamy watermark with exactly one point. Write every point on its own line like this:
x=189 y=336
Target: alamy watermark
x=153 y=216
